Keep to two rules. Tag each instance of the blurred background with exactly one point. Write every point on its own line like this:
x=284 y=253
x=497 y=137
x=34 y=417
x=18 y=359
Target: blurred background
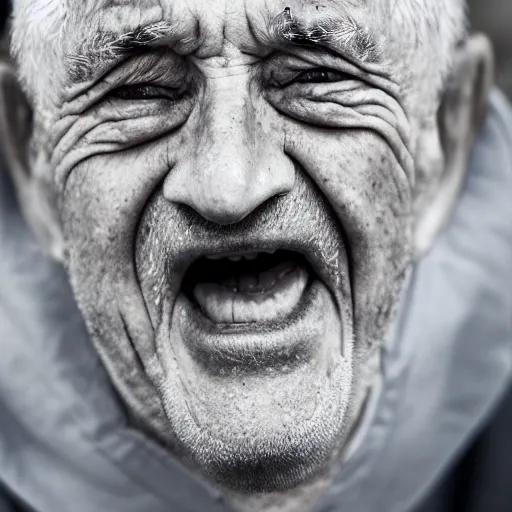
x=493 y=17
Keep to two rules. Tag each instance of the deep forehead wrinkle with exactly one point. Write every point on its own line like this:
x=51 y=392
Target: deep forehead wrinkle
x=341 y=34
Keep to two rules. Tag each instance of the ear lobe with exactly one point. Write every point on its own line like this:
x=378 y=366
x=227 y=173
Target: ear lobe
x=462 y=112
x=34 y=195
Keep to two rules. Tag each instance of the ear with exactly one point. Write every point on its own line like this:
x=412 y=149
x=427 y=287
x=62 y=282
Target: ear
x=462 y=112
x=34 y=194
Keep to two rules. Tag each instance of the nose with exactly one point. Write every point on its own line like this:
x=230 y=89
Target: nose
x=232 y=164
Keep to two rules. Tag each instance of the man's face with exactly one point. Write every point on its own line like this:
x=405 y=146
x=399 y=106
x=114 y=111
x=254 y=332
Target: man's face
x=233 y=181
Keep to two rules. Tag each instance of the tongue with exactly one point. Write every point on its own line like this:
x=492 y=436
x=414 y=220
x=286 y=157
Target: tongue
x=263 y=297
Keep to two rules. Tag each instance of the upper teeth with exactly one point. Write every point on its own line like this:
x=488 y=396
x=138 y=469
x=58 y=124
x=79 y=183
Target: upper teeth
x=237 y=257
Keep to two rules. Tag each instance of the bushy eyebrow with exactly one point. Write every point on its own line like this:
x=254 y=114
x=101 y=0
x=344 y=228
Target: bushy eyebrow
x=344 y=36
x=107 y=47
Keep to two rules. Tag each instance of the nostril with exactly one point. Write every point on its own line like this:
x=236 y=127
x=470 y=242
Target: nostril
x=222 y=215
x=222 y=208
x=226 y=217
x=226 y=190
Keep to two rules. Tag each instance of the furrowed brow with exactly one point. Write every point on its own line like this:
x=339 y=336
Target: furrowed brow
x=106 y=48
x=345 y=36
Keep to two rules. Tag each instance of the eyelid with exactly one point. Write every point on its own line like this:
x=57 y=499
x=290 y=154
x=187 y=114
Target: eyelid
x=134 y=86
x=289 y=78
x=302 y=60
x=151 y=91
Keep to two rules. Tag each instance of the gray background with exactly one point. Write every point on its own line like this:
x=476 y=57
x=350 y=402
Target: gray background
x=495 y=18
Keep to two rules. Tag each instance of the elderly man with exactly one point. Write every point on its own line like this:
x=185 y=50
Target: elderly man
x=289 y=242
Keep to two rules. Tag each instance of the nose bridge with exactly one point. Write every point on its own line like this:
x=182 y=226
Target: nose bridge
x=232 y=169
x=228 y=134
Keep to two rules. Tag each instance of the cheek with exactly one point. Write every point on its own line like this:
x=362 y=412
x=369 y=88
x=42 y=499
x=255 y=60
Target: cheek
x=105 y=194
x=359 y=174
x=101 y=209
x=369 y=191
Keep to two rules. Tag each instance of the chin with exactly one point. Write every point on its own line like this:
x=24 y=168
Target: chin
x=257 y=407
x=257 y=371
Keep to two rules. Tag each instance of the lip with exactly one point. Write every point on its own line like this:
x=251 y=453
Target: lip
x=311 y=255
x=222 y=348
x=254 y=349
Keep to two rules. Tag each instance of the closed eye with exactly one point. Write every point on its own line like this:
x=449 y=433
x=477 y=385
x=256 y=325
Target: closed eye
x=146 y=92
x=320 y=76
x=282 y=77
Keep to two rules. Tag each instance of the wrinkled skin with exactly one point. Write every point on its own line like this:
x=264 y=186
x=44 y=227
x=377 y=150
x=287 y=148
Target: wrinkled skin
x=238 y=149
x=234 y=165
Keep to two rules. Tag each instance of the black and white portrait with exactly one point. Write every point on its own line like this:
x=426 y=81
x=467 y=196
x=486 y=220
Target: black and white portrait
x=255 y=256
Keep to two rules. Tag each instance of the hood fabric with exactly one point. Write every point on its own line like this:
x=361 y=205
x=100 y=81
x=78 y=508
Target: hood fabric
x=65 y=444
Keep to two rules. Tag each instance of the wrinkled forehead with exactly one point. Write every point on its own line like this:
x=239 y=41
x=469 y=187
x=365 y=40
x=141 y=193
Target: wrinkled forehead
x=222 y=13
x=213 y=20
x=100 y=33
x=204 y=25
x=53 y=40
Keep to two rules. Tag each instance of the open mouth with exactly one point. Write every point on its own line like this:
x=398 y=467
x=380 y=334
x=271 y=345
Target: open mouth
x=248 y=287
